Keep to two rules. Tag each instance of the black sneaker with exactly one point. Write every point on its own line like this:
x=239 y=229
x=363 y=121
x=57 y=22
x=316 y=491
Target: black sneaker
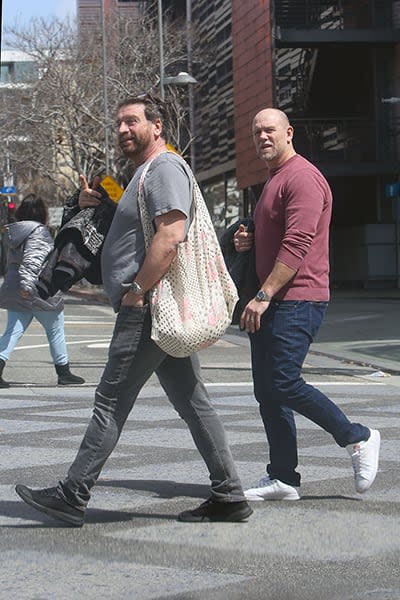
x=4 y=384
x=210 y=510
x=48 y=501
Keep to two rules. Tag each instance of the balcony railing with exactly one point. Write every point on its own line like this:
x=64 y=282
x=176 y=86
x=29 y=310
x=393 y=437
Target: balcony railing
x=342 y=14
x=352 y=140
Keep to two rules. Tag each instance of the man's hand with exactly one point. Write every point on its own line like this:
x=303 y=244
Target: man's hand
x=89 y=196
x=243 y=240
x=131 y=299
x=250 y=319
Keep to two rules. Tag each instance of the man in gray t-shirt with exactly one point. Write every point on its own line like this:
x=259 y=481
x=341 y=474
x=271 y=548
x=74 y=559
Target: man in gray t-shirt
x=129 y=272
x=167 y=187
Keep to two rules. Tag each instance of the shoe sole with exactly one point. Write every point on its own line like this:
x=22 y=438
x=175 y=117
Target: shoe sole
x=237 y=517
x=375 y=433
x=70 y=519
x=257 y=498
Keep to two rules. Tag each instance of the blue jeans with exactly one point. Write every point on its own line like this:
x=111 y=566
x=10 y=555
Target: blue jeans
x=51 y=320
x=278 y=351
x=132 y=358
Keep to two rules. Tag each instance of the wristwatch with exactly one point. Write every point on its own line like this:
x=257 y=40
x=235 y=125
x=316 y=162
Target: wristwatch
x=262 y=296
x=135 y=288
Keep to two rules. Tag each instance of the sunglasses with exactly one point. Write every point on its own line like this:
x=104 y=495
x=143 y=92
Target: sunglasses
x=148 y=98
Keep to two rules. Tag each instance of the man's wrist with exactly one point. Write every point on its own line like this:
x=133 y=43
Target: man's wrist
x=137 y=289
x=262 y=296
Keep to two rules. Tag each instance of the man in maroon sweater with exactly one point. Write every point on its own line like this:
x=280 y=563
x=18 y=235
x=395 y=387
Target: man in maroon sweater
x=291 y=241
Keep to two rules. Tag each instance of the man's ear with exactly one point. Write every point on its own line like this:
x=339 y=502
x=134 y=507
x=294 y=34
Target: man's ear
x=158 y=127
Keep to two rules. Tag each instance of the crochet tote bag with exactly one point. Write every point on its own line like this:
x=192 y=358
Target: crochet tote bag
x=193 y=303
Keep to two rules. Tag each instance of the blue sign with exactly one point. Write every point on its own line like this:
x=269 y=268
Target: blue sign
x=392 y=190
x=8 y=190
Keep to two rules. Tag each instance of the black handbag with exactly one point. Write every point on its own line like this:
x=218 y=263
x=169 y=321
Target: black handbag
x=241 y=266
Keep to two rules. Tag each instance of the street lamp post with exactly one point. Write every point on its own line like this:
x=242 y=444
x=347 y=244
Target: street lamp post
x=190 y=90
x=161 y=49
x=105 y=89
x=183 y=78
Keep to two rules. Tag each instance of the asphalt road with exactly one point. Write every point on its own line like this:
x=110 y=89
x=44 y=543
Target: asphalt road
x=331 y=545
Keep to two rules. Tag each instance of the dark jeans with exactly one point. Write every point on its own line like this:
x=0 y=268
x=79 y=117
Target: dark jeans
x=133 y=357
x=278 y=350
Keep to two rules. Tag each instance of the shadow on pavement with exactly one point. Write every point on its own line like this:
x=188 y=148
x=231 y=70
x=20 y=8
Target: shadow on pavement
x=163 y=488
x=20 y=510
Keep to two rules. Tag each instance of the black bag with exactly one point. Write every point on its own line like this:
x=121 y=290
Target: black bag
x=241 y=266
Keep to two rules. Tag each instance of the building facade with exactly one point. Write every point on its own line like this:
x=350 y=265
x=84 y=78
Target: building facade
x=89 y=12
x=333 y=67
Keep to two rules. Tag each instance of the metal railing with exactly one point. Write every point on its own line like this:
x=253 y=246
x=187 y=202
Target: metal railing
x=330 y=14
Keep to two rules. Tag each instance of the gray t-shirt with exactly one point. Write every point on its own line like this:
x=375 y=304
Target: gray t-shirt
x=167 y=186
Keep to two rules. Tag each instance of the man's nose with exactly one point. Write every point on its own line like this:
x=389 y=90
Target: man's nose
x=122 y=127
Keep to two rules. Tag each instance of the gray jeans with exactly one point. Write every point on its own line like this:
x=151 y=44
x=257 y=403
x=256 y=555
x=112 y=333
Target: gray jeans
x=132 y=358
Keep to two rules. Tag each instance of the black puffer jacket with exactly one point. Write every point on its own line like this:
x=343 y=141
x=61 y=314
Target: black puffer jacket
x=77 y=247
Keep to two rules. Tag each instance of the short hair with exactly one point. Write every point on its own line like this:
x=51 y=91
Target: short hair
x=154 y=108
x=32 y=208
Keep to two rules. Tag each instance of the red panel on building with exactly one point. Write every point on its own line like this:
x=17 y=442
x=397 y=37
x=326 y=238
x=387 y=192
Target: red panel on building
x=252 y=81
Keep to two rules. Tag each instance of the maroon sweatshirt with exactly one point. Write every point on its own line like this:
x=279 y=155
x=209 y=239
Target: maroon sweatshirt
x=292 y=220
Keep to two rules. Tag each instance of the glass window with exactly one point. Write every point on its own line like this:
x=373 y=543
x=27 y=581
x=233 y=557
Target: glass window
x=224 y=201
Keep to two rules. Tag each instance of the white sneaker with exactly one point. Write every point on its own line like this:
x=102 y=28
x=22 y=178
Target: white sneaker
x=364 y=457
x=272 y=489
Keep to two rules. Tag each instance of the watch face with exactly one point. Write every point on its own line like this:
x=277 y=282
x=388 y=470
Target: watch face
x=136 y=289
x=262 y=296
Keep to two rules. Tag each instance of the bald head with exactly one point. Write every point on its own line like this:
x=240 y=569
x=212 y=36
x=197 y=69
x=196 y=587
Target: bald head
x=273 y=114
x=273 y=136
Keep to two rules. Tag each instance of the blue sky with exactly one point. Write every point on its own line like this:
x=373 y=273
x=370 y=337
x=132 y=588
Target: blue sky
x=23 y=10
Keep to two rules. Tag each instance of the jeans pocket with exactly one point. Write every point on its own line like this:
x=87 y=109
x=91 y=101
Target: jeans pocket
x=126 y=337
x=317 y=312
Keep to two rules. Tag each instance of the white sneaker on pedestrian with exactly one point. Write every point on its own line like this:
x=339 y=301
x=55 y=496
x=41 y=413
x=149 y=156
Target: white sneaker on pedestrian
x=365 y=457
x=272 y=489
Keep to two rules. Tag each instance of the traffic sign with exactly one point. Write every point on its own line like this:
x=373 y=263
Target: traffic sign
x=8 y=190
x=113 y=189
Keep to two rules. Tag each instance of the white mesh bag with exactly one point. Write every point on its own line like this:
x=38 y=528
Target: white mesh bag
x=192 y=304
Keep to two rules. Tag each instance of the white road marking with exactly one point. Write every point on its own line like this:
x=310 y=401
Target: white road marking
x=32 y=346
x=349 y=383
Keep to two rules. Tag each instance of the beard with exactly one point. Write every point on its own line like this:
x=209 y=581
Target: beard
x=268 y=154
x=134 y=145
x=130 y=147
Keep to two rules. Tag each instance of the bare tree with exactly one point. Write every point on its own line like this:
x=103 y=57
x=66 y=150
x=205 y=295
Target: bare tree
x=56 y=125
